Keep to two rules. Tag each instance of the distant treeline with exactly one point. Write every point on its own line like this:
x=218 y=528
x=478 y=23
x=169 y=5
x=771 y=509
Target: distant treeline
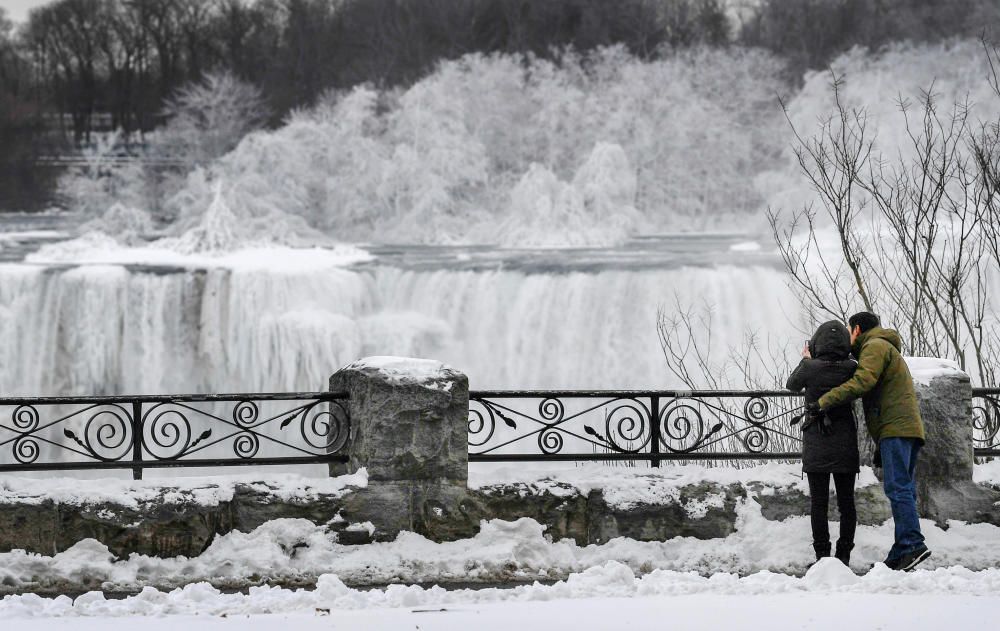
x=124 y=58
x=811 y=33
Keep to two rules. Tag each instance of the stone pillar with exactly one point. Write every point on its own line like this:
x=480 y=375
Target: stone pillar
x=409 y=429
x=945 y=489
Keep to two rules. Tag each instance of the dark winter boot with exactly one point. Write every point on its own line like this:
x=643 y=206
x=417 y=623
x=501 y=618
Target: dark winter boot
x=844 y=552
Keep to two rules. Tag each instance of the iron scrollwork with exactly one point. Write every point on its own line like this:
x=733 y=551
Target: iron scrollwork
x=618 y=424
x=596 y=425
x=107 y=433
x=25 y=448
x=684 y=428
x=986 y=421
x=136 y=432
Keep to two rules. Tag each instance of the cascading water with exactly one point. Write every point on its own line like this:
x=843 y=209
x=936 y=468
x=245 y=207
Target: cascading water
x=109 y=329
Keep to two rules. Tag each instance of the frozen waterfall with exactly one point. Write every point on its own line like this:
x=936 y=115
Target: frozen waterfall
x=104 y=329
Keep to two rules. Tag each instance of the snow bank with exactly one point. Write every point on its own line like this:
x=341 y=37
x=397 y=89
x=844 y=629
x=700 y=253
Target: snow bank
x=296 y=550
x=202 y=491
x=925 y=369
x=608 y=580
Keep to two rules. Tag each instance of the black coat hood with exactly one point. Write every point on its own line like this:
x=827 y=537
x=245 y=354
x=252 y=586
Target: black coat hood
x=832 y=341
x=829 y=367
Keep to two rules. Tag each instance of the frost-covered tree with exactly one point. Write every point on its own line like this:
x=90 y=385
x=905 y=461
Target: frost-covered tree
x=103 y=179
x=208 y=118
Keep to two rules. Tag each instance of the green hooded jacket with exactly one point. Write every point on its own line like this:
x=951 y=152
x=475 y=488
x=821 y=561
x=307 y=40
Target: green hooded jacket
x=882 y=380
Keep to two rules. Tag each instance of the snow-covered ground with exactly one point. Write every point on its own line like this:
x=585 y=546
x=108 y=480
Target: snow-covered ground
x=297 y=551
x=607 y=596
x=754 y=578
x=814 y=611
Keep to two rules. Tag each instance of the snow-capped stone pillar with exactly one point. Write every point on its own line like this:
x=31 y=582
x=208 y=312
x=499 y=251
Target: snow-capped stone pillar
x=409 y=429
x=945 y=489
x=409 y=419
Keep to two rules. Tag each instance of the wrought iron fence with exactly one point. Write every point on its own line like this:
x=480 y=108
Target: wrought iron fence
x=633 y=425
x=986 y=421
x=137 y=432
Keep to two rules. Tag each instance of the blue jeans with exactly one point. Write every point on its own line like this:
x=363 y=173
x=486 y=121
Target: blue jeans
x=899 y=461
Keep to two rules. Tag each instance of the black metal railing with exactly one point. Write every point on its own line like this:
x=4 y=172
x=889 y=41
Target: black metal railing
x=137 y=432
x=986 y=422
x=633 y=425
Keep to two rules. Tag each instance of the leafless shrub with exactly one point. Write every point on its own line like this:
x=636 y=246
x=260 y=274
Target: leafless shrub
x=915 y=232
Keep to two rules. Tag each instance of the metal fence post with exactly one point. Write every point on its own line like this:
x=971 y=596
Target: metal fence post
x=137 y=440
x=654 y=429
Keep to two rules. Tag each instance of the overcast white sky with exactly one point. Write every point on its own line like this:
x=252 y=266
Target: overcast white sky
x=17 y=10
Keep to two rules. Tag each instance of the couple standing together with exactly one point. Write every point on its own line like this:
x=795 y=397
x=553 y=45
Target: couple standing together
x=832 y=381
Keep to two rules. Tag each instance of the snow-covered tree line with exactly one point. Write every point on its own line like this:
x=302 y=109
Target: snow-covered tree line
x=584 y=149
x=521 y=151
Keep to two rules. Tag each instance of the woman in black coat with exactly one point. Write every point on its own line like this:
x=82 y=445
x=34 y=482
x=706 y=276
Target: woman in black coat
x=830 y=445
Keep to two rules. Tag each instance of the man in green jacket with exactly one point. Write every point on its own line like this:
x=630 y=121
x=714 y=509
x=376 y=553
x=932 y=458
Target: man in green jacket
x=883 y=382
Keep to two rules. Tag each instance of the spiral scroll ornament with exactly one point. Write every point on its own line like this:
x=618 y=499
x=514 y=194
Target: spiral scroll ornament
x=756 y=410
x=246 y=413
x=326 y=430
x=550 y=441
x=107 y=434
x=246 y=445
x=985 y=423
x=682 y=427
x=25 y=418
x=482 y=423
x=756 y=439
x=25 y=448
x=551 y=411
x=167 y=433
x=627 y=426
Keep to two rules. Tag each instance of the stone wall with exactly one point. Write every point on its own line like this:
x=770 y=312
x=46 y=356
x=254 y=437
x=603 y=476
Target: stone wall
x=408 y=431
x=163 y=523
